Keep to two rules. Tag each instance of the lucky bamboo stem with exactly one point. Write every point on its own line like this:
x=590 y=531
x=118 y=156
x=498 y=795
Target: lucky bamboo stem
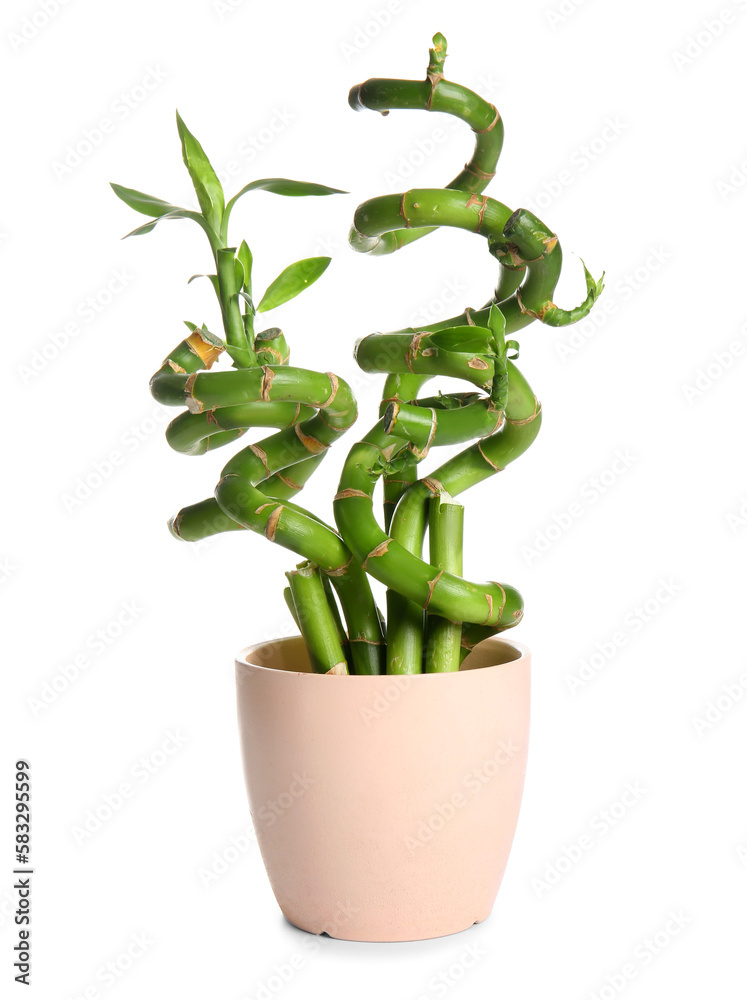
x=316 y=621
x=443 y=638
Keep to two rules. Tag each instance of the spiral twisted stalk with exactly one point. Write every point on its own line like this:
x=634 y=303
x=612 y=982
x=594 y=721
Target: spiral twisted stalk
x=501 y=419
x=434 y=615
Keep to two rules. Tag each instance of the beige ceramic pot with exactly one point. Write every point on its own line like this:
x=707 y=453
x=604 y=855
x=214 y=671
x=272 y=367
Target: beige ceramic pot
x=384 y=807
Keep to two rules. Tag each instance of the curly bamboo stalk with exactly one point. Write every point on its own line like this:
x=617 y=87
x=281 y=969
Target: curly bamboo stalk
x=472 y=347
x=435 y=617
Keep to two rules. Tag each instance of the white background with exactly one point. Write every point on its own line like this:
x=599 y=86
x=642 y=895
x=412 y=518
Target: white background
x=624 y=131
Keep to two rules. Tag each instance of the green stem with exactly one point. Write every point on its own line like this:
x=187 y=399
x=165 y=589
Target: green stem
x=342 y=636
x=432 y=94
x=237 y=343
x=316 y=621
x=443 y=638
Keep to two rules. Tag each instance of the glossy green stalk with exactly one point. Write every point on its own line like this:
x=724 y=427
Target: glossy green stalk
x=432 y=94
x=229 y=286
x=443 y=638
x=315 y=619
x=342 y=636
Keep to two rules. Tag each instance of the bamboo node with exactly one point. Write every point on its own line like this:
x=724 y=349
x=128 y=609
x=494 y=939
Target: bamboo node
x=482 y=131
x=313 y=445
x=339 y=570
x=272 y=523
x=193 y=404
x=344 y=494
x=261 y=455
x=490 y=462
x=380 y=550
x=267 y=376
x=432 y=587
x=433 y=485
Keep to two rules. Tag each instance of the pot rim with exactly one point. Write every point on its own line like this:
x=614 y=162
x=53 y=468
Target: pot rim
x=242 y=661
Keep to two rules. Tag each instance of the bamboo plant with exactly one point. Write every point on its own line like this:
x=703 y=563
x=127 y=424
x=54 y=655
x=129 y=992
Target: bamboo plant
x=434 y=616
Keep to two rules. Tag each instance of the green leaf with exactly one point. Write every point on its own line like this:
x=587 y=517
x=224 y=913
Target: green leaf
x=212 y=278
x=497 y=323
x=278 y=185
x=292 y=281
x=462 y=339
x=144 y=203
x=239 y=274
x=593 y=288
x=244 y=254
x=289 y=188
x=204 y=178
x=179 y=213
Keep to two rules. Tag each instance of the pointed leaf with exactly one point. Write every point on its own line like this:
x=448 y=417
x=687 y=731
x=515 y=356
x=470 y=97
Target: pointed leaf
x=239 y=273
x=144 y=203
x=245 y=256
x=497 y=323
x=179 y=213
x=278 y=185
x=212 y=278
x=292 y=281
x=204 y=178
x=289 y=188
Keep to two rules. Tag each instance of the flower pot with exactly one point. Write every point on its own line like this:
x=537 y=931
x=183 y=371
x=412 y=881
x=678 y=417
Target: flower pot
x=384 y=806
